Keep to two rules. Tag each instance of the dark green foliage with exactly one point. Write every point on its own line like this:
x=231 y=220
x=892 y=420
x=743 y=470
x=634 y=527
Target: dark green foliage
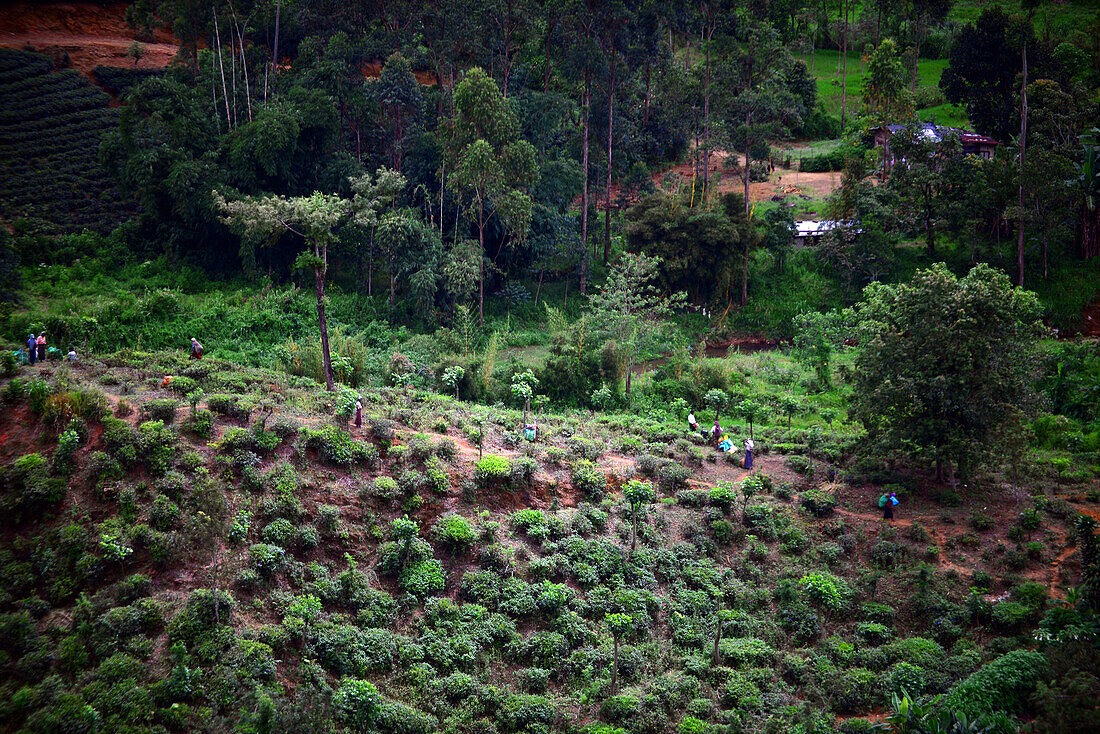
x=336 y=446
x=160 y=409
x=1001 y=685
x=28 y=489
x=817 y=502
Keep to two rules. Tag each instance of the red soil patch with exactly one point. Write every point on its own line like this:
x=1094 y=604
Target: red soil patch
x=1090 y=320
x=85 y=35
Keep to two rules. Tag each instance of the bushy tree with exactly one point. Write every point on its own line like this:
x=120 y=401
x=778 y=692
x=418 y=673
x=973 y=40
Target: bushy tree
x=945 y=366
x=630 y=310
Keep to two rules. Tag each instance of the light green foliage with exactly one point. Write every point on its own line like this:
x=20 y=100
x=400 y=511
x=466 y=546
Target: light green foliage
x=452 y=378
x=336 y=446
x=724 y=495
x=717 y=400
x=631 y=311
x=357 y=703
x=454 y=532
x=492 y=469
x=825 y=590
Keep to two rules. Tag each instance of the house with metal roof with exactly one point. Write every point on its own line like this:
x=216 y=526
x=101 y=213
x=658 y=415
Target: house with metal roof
x=972 y=143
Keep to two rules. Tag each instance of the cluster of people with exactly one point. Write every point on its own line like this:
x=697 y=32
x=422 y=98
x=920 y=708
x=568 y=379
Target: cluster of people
x=721 y=440
x=36 y=348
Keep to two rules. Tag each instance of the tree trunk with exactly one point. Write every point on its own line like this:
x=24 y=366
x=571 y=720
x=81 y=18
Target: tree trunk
x=930 y=231
x=585 y=126
x=221 y=66
x=481 y=258
x=1023 y=153
x=916 y=56
x=844 y=67
x=714 y=655
x=615 y=667
x=706 y=117
x=748 y=165
x=607 y=211
x=322 y=321
x=275 y=49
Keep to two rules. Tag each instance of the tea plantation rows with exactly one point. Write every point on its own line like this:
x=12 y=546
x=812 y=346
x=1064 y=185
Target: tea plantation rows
x=51 y=123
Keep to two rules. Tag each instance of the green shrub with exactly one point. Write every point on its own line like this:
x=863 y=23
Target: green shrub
x=825 y=590
x=1010 y=615
x=673 y=476
x=160 y=409
x=28 y=490
x=589 y=480
x=873 y=633
x=231 y=406
x=527 y=520
x=817 y=502
x=279 y=532
x=157 y=446
x=436 y=475
x=739 y=651
x=164 y=514
x=852 y=690
x=492 y=470
x=454 y=532
x=1004 y=684
x=424 y=578
x=357 y=704
x=266 y=559
x=906 y=678
x=335 y=446
x=385 y=488
x=800 y=464
x=410 y=481
x=917 y=650
x=200 y=423
x=723 y=495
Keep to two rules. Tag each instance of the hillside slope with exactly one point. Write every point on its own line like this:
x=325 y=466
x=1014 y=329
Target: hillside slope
x=244 y=564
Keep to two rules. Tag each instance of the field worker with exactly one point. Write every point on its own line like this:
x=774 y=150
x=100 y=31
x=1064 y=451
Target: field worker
x=887 y=502
x=32 y=349
x=716 y=432
x=40 y=342
x=749 y=446
x=196 y=349
x=359 y=412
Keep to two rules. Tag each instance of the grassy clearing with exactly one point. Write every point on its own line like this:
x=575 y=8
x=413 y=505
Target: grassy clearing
x=827 y=73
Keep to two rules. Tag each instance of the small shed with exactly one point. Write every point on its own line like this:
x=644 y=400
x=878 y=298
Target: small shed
x=810 y=231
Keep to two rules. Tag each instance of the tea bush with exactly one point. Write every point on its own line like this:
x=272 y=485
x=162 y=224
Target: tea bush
x=454 y=533
x=492 y=470
x=335 y=446
x=161 y=409
x=28 y=489
x=589 y=480
x=1001 y=685
x=231 y=406
x=817 y=502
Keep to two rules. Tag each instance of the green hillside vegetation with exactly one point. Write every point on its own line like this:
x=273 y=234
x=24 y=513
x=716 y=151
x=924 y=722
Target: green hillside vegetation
x=384 y=343
x=226 y=555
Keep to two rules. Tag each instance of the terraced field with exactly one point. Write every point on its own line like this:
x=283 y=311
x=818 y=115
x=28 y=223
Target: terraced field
x=51 y=124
